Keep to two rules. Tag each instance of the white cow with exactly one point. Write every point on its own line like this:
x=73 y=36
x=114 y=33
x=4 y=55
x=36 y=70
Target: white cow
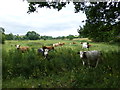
x=43 y=51
x=85 y=45
x=90 y=57
x=46 y=52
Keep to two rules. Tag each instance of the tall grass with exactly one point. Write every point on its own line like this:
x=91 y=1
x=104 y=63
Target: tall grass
x=62 y=68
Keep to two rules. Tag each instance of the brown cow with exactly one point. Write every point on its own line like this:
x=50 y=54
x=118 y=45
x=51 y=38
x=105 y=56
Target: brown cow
x=48 y=47
x=23 y=49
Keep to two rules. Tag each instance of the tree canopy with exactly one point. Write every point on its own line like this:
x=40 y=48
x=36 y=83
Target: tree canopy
x=9 y=36
x=103 y=18
x=102 y=22
x=32 y=35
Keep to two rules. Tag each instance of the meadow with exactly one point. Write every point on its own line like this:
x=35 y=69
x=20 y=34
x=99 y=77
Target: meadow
x=62 y=69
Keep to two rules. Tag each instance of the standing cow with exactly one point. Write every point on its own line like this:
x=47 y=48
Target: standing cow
x=91 y=58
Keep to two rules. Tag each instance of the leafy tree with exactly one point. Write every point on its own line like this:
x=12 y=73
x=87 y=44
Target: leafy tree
x=60 y=37
x=25 y=38
x=46 y=37
x=17 y=37
x=55 y=5
x=63 y=37
x=2 y=35
x=9 y=36
x=102 y=17
x=70 y=37
x=32 y=35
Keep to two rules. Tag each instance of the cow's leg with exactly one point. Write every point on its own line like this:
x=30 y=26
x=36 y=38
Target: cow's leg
x=89 y=63
x=83 y=62
x=97 y=63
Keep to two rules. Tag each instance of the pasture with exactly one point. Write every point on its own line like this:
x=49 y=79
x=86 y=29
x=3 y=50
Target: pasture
x=63 y=69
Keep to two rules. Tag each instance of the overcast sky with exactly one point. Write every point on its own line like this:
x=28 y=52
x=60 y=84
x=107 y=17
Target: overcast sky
x=15 y=19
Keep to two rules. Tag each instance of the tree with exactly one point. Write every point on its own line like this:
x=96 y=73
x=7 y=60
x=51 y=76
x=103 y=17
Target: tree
x=60 y=37
x=70 y=37
x=17 y=37
x=32 y=35
x=55 y=5
x=2 y=35
x=46 y=37
x=103 y=18
x=102 y=21
x=9 y=36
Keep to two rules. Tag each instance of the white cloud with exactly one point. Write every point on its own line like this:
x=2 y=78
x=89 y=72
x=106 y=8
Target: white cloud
x=62 y=33
x=15 y=19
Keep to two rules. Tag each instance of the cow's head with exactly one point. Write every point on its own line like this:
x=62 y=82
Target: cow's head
x=46 y=52
x=17 y=46
x=82 y=54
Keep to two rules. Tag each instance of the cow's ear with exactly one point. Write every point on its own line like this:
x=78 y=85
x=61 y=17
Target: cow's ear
x=78 y=52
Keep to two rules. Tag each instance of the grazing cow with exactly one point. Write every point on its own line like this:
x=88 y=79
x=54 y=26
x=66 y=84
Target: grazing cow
x=85 y=45
x=74 y=43
x=23 y=48
x=90 y=57
x=48 y=47
x=61 y=44
x=44 y=52
x=55 y=44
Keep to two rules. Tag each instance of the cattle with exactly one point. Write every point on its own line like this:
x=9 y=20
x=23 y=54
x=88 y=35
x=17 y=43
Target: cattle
x=61 y=44
x=40 y=51
x=48 y=47
x=85 y=45
x=90 y=58
x=58 y=44
x=74 y=43
x=45 y=50
x=55 y=44
x=23 y=48
x=45 y=53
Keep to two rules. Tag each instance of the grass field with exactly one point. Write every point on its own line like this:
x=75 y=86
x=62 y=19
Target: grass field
x=64 y=68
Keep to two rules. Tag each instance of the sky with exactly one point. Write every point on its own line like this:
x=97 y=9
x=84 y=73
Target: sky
x=15 y=19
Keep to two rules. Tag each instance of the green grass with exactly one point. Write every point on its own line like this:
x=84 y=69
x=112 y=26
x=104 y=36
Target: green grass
x=64 y=68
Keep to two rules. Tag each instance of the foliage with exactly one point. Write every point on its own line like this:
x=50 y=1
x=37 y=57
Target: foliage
x=9 y=36
x=60 y=37
x=46 y=37
x=102 y=21
x=32 y=35
x=102 y=18
x=70 y=37
x=56 y=5
x=17 y=37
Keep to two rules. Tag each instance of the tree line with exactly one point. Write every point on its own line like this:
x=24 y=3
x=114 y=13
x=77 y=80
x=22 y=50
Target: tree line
x=30 y=35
